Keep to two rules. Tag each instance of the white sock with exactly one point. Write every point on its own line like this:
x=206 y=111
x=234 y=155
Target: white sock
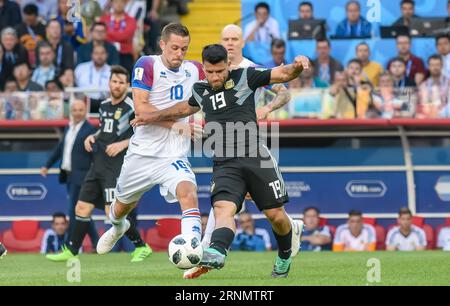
x=117 y=223
x=209 y=229
x=191 y=223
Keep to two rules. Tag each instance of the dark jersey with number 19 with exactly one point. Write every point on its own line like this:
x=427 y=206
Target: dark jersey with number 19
x=232 y=109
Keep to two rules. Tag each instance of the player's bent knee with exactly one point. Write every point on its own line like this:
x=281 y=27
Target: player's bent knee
x=224 y=209
x=83 y=209
x=276 y=215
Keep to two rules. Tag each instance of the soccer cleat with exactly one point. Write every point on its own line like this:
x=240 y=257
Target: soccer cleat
x=195 y=272
x=281 y=268
x=297 y=231
x=3 y=251
x=141 y=253
x=109 y=239
x=63 y=256
x=212 y=259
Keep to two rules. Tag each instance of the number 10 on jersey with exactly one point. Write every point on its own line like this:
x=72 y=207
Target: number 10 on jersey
x=176 y=92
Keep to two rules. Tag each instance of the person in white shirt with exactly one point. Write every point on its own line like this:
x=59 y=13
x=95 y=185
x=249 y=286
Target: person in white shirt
x=264 y=28
x=443 y=48
x=46 y=70
x=406 y=236
x=355 y=235
x=444 y=239
x=94 y=75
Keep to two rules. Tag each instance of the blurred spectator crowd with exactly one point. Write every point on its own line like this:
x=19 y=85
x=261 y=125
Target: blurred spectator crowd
x=55 y=46
x=408 y=86
x=52 y=46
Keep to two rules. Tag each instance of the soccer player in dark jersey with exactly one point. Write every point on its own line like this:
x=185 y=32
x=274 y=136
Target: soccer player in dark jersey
x=241 y=164
x=108 y=145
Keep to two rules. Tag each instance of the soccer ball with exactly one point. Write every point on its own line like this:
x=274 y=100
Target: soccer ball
x=185 y=251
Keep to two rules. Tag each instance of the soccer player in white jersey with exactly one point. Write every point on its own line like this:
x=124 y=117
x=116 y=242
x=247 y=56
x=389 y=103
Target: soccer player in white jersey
x=232 y=40
x=406 y=236
x=157 y=155
x=355 y=235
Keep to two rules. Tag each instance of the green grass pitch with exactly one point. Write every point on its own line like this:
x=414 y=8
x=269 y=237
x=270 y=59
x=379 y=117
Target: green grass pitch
x=242 y=268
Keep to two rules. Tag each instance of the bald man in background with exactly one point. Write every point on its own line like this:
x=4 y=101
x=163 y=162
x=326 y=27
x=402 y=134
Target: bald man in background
x=75 y=160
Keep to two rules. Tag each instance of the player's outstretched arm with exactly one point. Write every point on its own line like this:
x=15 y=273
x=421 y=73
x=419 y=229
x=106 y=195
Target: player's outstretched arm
x=286 y=73
x=179 y=110
x=282 y=97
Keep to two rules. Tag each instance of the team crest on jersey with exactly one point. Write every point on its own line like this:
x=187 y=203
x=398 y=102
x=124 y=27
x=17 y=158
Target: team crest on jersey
x=138 y=73
x=163 y=74
x=188 y=74
x=229 y=84
x=118 y=114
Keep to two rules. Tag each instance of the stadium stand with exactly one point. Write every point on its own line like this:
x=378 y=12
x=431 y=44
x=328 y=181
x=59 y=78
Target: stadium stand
x=158 y=237
x=25 y=237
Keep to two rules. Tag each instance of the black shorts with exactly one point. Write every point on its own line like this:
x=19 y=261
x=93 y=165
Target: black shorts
x=233 y=178
x=98 y=189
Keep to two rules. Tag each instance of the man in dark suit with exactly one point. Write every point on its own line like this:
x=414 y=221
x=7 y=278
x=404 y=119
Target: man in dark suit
x=75 y=160
x=13 y=52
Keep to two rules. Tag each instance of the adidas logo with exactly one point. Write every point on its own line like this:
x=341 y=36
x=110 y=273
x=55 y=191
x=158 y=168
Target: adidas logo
x=206 y=92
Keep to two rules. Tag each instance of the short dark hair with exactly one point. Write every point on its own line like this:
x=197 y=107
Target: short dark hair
x=98 y=23
x=176 y=29
x=262 y=5
x=441 y=36
x=397 y=59
x=57 y=83
x=354 y=212
x=403 y=35
x=306 y=3
x=44 y=44
x=117 y=69
x=18 y=64
x=214 y=54
x=311 y=208
x=31 y=9
x=352 y=2
x=434 y=57
x=59 y=215
x=404 y=211
x=362 y=44
x=277 y=43
x=99 y=46
x=354 y=60
x=407 y=2
x=324 y=40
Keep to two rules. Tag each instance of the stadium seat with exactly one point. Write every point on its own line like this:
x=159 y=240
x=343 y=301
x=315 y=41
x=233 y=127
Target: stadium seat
x=380 y=232
x=159 y=237
x=324 y=221
x=437 y=231
x=24 y=236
